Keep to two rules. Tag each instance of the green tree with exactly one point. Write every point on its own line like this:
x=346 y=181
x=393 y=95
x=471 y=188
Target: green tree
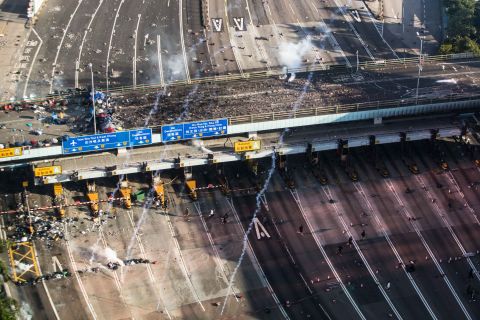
x=446 y=48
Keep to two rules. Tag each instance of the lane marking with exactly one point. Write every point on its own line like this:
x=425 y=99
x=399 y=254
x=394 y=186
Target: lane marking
x=457 y=186
x=256 y=264
x=307 y=34
x=77 y=277
x=231 y=40
x=328 y=193
x=78 y=62
x=160 y=64
x=182 y=40
x=33 y=62
x=135 y=53
x=61 y=43
x=374 y=21
x=217 y=259
x=259 y=48
x=407 y=213
x=57 y=266
x=448 y=225
x=149 y=267
x=347 y=18
x=325 y=256
x=49 y=297
x=183 y=265
x=360 y=189
x=110 y=43
x=333 y=41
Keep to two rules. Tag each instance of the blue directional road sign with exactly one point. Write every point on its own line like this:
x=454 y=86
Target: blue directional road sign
x=203 y=129
x=96 y=142
x=172 y=132
x=140 y=137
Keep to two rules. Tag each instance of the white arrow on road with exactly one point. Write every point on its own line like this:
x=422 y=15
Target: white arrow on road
x=260 y=233
x=356 y=15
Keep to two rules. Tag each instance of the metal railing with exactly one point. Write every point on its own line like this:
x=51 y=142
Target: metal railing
x=335 y=109
x=275 y=71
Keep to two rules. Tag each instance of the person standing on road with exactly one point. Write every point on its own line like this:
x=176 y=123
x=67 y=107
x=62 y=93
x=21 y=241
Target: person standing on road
x=224 y=218
x=339 y=250
x=363 y=234
x=300 y=230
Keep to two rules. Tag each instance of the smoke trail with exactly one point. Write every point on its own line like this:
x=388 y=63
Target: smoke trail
x=186 y=104
x=262 y=192
x=153 y=110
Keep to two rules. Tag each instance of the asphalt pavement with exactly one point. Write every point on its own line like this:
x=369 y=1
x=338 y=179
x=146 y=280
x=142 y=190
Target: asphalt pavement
x=133 y=43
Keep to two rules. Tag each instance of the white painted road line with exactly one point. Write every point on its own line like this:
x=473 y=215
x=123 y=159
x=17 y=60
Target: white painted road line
x=325 y=256
x=374 y=21
x=160 y=65
x=135 y=53
x=360 y=189
x=231 y=40
x=447 y=224
x=61 y=44
x=182 y=40
x=253 y=258
x=348 y=19
x=149 y=267
x=77 y=277
x=183 y=265
x=79 y=59
x=33 y=62
x=454 y=181
x=217 y=259
x=55 y=312
x=406 y=212
x=117 y=14
x=329 y=195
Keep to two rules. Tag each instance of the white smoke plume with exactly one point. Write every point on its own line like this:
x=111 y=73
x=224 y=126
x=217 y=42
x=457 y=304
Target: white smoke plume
x=201 y=146
x=291 y=54
x=104 y=255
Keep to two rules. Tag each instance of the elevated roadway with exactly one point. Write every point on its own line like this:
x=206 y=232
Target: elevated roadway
x=445 y=86
x=294 y=141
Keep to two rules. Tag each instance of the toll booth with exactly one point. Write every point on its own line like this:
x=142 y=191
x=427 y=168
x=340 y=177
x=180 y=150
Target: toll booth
x=252 y=164
x=159 y=188
x=411 y=165
x=92 y=196
x=343 y=152
x=126 y=194
x=439 y=156
x=192 y=188
x=376 y=158
x=59 y=200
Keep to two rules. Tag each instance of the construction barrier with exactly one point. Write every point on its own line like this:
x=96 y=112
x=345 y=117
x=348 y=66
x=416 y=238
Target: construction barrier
x=23 y=261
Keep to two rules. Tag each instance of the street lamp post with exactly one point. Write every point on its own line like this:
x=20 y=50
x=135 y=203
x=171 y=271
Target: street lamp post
x=419 y=68
x=357 y=61
x=93 y=101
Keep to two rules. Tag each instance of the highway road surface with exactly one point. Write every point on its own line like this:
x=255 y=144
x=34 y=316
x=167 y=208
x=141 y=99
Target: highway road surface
x=147 y=42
